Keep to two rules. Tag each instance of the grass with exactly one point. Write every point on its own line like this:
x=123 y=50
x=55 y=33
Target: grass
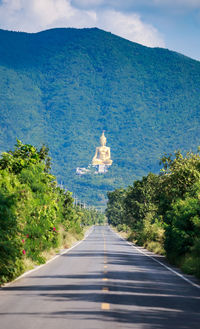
x=153 y=246
x=67 y=240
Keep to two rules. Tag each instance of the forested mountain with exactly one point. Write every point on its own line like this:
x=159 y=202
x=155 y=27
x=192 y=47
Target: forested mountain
x=62 y=87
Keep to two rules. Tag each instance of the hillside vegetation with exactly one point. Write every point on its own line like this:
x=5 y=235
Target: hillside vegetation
x=62 y=87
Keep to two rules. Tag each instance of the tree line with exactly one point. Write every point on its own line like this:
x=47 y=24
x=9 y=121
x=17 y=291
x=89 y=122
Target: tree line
x=36 y=215
x=162 y=211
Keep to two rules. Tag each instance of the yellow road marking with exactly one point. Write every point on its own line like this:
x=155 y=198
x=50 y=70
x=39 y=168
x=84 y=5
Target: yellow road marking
x=105 y=289
x=104 y=279
x=105 y=306
x=105 y=266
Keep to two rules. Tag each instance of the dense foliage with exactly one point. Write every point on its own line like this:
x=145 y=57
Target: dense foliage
x=162 y=211
x=55 y=83
x=35 y=214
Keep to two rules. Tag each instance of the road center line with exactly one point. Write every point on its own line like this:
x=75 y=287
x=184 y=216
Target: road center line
x=105 y=306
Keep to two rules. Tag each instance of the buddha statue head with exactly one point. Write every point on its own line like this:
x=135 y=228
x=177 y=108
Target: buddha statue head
x=103 y=139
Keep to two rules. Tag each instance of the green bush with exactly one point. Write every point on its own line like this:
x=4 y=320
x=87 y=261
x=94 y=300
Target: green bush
x=163 y=211
x=33 y=210
x=11 y=246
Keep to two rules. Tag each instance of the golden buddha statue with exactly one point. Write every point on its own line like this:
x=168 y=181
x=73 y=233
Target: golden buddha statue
x=102 y=155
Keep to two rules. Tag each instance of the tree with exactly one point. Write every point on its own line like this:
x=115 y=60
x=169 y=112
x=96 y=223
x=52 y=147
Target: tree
x=141 y=198
x=178 y=176
x=115 y=207
x=23 y=156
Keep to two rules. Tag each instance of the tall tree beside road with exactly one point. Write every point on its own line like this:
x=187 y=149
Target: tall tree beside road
x=35 y=213
x=162 y=211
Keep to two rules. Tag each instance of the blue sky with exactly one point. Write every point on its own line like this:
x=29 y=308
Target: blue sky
x=172 y=24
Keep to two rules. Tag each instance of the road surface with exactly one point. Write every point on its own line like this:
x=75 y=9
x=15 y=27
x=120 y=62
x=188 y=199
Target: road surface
x=102 y=283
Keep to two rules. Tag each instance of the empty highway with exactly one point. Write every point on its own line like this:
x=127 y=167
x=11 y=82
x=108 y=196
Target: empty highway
x=102 y=283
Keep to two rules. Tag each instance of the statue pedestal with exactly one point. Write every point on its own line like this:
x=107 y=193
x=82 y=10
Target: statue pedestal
x=102 y=168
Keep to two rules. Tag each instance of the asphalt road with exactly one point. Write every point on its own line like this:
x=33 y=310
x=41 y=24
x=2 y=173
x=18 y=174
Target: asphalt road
x=101 y=283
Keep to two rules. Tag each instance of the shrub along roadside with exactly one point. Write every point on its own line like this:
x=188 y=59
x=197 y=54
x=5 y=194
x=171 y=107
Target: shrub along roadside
x=36 y=216
x=162 y=211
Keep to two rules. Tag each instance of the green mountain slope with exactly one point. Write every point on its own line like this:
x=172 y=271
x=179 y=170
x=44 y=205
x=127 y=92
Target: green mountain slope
x=62 y=87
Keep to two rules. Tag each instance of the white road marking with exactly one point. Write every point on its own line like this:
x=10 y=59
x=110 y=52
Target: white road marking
x=50 y=260
x=157 y=261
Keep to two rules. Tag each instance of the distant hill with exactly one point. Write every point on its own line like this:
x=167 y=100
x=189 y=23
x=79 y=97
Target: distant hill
x=62 y=87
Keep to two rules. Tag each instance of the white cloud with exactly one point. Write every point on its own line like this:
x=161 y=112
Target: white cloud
x=131 y=27
x=131 y=4
x=37 y=15
x=34 y=15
